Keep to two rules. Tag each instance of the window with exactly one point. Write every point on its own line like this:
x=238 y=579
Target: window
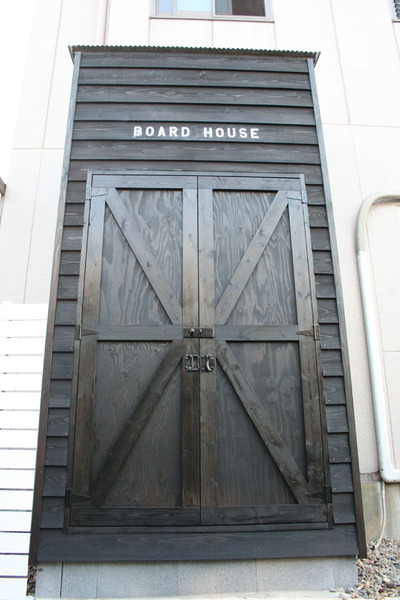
x=211 y=8
x=248 y=8
x=396 y=9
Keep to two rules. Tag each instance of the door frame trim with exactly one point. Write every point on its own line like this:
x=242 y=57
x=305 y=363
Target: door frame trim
x=207 y=181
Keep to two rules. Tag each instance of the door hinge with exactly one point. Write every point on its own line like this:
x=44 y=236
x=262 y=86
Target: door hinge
x=80 y=332
x=314 y=332
x=324 y=494
x=71 y=498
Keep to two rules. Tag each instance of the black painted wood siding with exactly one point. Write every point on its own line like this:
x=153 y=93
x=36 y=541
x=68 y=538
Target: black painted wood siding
x=118 y=89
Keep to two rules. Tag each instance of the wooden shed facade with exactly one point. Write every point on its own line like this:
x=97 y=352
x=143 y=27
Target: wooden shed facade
x=196 y=397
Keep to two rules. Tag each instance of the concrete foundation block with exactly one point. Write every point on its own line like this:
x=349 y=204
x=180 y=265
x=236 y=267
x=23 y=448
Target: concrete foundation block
x=293 y=575
x=305 y=574
x=372 y=506
x=222 y=577
x=121 y=580
x=371 y=488
x=79 y=580
x=344 y=572
x=48 y=580
x=392 y=492
x=183 y=579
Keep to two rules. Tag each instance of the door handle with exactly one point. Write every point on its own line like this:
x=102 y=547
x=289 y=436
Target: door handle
x=209 y=363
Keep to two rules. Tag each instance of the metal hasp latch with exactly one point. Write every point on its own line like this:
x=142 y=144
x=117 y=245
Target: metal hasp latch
x=209 y=363
x=194 y=359
x=193 y=363
x=198 y=332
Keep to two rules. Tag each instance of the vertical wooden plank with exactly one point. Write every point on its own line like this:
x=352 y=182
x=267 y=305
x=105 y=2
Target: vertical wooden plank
x=87 y=363
x=40 y=456
x=190 y=266
x=317 y=343
x=190 y=380
x=75 y=369
x=208 y=380
x=309 y=372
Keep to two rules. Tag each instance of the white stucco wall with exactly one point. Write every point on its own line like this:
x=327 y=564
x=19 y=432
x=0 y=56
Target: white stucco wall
x=358 y=78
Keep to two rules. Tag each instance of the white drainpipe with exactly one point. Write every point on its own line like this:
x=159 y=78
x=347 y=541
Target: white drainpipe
x=387 y=472
x=102 y=23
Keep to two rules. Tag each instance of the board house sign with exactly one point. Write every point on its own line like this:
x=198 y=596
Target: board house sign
x=195 y=132
x=196 y=397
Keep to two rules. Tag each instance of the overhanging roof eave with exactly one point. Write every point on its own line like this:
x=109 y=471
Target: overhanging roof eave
x=234 y=51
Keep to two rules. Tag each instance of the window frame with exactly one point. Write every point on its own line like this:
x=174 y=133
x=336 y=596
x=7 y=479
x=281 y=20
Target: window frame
x=210 y=15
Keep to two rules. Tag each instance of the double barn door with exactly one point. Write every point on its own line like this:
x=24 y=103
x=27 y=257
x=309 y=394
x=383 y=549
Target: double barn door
x=198 y=396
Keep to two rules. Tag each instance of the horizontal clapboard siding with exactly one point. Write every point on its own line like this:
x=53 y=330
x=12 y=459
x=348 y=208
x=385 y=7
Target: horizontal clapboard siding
x=22 y=331
x=194 y=77
x=196 y=151
x=79 y=168
x=118 y=90
x=110 y=130
x=175 y=95
x=282 y=115
x=226 y=61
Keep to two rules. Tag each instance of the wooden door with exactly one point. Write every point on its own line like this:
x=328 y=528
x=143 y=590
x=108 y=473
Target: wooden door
x=198 y=387
x=137 y=407
x=261 y=442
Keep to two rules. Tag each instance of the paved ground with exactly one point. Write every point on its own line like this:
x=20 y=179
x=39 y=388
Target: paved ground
x=272 y=596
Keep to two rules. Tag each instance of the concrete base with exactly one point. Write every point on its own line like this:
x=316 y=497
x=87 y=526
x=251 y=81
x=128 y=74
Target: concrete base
x=171 y=579
x=371 y=488
x=299 y=595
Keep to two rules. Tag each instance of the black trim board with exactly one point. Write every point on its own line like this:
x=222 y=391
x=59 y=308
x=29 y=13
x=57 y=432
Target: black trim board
x=361 y=534
x=125 y=547
x=48 y=354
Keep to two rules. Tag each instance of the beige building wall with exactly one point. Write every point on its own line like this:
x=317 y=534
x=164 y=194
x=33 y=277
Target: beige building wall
x=358 y=79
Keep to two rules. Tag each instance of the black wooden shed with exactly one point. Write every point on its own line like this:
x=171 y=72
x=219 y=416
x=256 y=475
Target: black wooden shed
x=196 y=397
